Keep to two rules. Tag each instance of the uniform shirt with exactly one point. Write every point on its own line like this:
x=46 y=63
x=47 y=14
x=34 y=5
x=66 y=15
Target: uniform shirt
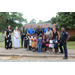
x=64 y=36
x=30 y=31
x=46 y=30
x=38 y=31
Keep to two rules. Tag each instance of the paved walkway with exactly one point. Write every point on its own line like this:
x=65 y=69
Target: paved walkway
x=22 y=53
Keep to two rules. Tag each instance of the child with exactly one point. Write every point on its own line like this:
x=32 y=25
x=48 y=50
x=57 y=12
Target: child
x=51 y=44
x=26 y=42
x=36 y=43
x=47 y=43
x=30 y=42
x=56 y=45
x=43 y=43
x=39 y=44
x=33 y=43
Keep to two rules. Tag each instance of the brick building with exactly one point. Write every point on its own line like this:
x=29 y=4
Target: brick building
x=70 y=31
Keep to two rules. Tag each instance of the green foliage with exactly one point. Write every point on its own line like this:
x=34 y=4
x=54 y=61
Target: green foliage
x=33 y=21
x=64 y=19
x=41 y=22
x=72 y=38
x=13 y=19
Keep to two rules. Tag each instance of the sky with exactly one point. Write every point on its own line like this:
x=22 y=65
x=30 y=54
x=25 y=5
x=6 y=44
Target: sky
x=44 y=16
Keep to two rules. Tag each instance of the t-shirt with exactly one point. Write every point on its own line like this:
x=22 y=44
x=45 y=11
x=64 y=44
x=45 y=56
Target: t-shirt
x=47 y=41
x=30 y=31
x=26 y=39
x=39 y=41
x=49 y=33
x=46 y=30
x=43 y=43
x=55 y=43
x=51 y=43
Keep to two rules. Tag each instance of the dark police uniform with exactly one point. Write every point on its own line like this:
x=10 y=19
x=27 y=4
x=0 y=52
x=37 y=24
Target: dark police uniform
x=38 y=31
x=63 y=42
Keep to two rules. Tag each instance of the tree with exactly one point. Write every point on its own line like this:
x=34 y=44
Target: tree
x=53 y=20
x=41 y=22
x=33 y=21
x=7 y=18
x=65 y=19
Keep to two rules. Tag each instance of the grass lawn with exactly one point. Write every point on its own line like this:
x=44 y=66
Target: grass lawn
x=70 y=44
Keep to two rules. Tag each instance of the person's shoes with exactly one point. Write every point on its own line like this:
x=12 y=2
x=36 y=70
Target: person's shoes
x=65 y=58
x=57 y=53
x=60 y=52
x=25 y=49
x=38 y=51
x=41 y=51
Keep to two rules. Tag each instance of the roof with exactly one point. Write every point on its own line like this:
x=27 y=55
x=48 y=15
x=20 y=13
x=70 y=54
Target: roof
x=36 y=25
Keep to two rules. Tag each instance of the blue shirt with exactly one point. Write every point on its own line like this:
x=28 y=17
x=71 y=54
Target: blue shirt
x=30 y=31
x=46 y=30
x=39 y=41
x=64 y=36
x=26 y=39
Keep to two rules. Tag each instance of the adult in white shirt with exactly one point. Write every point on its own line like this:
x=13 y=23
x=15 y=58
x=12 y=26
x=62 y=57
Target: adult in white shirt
x=16 y=38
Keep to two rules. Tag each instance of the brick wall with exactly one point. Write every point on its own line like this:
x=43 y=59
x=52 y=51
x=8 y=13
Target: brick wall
x=71 y=32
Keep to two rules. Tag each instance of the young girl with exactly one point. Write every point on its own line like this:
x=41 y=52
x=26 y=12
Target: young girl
x=47 y=43
x=56 y=45
x=30 y=42
x=33 y=43
x=43 y=43
x=51 y=44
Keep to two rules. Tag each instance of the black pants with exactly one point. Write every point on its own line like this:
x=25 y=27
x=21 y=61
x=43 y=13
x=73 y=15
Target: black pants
x=22 y=37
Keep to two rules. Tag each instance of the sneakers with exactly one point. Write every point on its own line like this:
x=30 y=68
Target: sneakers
x=26 y=49
x=40 y=51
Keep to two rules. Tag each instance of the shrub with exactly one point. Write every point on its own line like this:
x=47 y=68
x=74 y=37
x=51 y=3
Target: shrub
x=72 y=38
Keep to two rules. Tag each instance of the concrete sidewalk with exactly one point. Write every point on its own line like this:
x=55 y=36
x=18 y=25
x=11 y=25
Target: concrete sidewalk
x=22 y=53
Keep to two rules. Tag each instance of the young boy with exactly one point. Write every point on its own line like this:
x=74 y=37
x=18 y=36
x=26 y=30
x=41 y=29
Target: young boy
x=56 y=45
x=43 y=43
x=26 y=42
x=39 y=44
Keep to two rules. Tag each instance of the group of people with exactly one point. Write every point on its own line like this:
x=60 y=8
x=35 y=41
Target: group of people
x=40 y=40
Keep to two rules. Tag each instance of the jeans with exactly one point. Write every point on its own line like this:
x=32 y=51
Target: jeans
x=65 y=48
x=39 y=48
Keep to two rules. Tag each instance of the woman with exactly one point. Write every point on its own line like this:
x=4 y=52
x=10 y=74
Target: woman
x=16 y=38
x=55 y=33
x=8 y=41
x=48 y=33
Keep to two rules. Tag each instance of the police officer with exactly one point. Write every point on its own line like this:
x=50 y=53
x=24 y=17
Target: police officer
x=41 y=30
x=64 y=38
x=38 y=31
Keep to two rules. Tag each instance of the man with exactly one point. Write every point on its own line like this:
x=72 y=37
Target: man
x=41 y=29
x=30 y=31
x=46 y=29
x=64 y=38
x=38 y=31
x=22 y=33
